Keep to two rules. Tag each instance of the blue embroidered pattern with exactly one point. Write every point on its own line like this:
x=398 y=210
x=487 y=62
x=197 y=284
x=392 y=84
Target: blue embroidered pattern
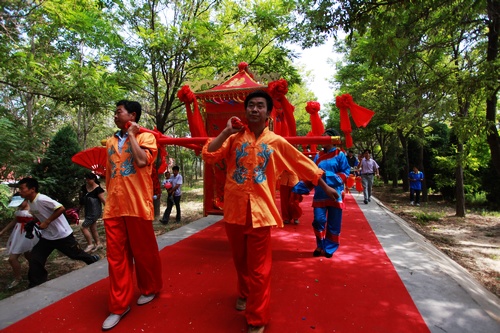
x=241 y=173
x=127 y=168
x=111 y=152
x=260 y=170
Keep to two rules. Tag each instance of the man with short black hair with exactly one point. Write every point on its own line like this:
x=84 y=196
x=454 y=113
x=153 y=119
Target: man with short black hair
x=352 y=160
x=55 y=232
x=129 y=214
x=174 y=196
x=368 y=169
x=255 y=157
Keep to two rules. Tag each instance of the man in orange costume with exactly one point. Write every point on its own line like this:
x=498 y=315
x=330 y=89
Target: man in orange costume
x=129 y=213
x=255 y=158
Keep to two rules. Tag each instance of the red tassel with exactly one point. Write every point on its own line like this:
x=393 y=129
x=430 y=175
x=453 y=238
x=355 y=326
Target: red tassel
x=360 y=115
x=345 y=126
x=278 y=89
x=317 y=127
x=195 y=121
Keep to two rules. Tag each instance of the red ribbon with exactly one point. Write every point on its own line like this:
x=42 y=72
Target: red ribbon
x=360 y=115
x=317 y=127
x=278 y=89
x=195 y=121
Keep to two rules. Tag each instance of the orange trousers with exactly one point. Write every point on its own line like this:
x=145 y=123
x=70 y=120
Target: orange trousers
x=252 y=256
x=131 y=240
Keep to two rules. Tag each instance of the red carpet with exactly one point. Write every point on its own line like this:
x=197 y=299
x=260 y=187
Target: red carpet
x=357 y=290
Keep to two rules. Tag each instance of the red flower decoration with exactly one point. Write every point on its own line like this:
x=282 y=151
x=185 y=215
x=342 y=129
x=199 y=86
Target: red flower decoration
x=278 y=88
x=313 y=107
x=360 y=115
x=344 y=101
x=185 y=95
x=242 y=66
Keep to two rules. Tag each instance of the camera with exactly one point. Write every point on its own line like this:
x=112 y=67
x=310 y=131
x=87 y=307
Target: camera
x=30 y=227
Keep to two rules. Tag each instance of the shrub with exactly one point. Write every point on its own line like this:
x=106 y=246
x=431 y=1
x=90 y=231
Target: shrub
x=424 y=217
x=60 y=178
x=6 y=213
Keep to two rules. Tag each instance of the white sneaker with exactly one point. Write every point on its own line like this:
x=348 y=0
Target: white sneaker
x=145 y=299
x=418 y=204
x=113 y=320
x=411 y=203
x=296 y=221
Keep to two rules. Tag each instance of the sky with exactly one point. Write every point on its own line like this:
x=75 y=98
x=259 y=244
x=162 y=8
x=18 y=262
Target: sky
x=315 y=60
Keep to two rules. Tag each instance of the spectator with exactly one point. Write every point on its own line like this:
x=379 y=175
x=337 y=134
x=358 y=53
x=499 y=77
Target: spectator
x=129 y=214
x=368 y=169
x=167 y=179
x=18 y=243
x=352 y=160
x=416 y=178
x=91 y=197
x=255 y=157
x=174 y=196
x=56 y=233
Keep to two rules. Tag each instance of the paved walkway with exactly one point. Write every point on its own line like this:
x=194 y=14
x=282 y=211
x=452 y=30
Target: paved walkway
x=447 y=296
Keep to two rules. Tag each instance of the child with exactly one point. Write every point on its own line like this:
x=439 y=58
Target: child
x=18 y=244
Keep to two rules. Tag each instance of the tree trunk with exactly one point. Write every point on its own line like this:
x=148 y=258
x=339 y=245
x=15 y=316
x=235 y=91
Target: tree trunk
x=406 y=168
x=420 y=165
x=459 y=179
x=493 y=9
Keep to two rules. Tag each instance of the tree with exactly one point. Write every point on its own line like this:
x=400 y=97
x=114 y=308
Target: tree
x=60 y=178
x=434 y=60
x=430 y=25
x=55 y=63
x=194 y=40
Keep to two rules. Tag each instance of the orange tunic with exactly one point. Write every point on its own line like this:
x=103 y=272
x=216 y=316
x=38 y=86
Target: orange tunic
x=253 y=166
x=130 y=189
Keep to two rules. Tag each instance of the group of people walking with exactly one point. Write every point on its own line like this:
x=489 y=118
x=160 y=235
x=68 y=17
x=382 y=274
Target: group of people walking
x=255 y=158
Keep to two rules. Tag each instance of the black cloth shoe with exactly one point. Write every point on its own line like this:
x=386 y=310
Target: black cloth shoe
x=317 y=253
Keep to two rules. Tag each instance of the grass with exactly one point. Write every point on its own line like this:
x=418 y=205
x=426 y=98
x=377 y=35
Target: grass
x=426 y=217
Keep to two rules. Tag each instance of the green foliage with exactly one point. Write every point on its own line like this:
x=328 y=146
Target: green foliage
x=16 y=155
x=60 y=178
x=6 y=213
x=298 y=95
x=476 y=198
x=424 y=217
x=491 y=183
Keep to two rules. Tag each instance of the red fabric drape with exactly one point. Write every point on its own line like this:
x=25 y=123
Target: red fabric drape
x=195 y=121
x=360 y=115
x=317 y=127
x=278 y=89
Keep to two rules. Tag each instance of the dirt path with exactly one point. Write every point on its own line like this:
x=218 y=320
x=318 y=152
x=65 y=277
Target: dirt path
x=473 y=241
